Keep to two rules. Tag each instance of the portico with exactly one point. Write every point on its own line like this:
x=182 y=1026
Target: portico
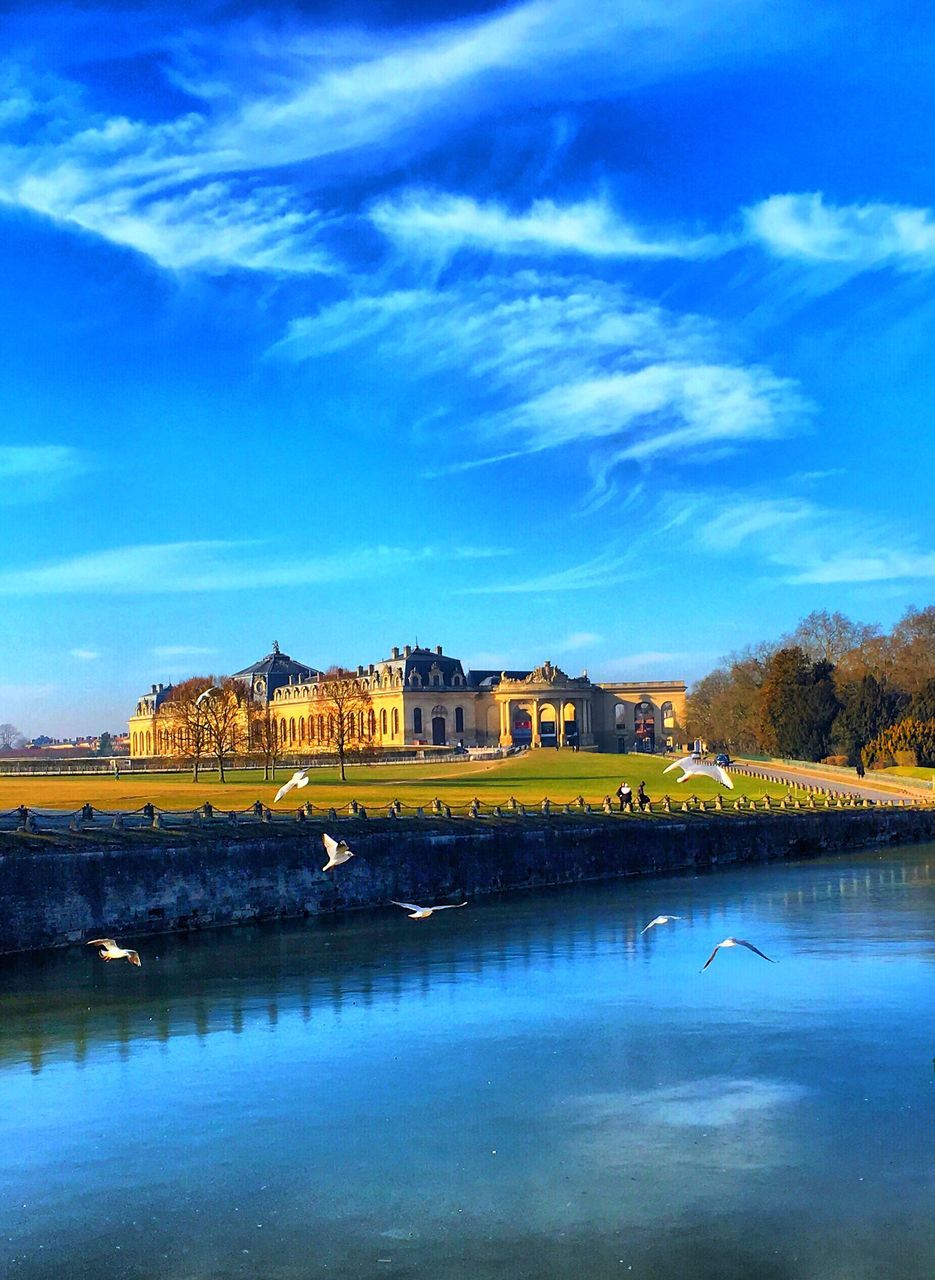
x=547 y=708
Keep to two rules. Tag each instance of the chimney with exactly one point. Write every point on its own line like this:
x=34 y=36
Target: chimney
x=154 y=689
x=395 y=650
x=160 y=688
x=360 y=669
x=407 y=651
x=438 y=650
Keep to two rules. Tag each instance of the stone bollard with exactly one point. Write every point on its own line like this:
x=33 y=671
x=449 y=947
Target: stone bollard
x=352 y=807
x=719 y=802
x=258 y=808
x=266 y=815
x=588 y=809
x=569 y=808
x=521 y=810
x=497 y=811
x=606 y=806
x=157 y=821
x=391 y=810
x=361 y=812
x=307 y=807
x=666 y=805
x=628 y=806
x=447 y=810
x=117 y=823
x=474 y=809
x=580 y=802
x=299 y=815
x=207 y=809
x=332 y=815
x=547 y=806
x=436 y=806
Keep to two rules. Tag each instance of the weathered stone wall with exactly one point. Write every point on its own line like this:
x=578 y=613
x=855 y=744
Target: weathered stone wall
x=54 y=895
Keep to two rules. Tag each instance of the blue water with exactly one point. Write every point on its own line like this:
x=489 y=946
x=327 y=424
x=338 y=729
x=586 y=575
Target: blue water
x=525 y=1088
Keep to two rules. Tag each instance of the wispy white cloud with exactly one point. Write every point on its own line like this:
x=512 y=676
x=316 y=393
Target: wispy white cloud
x=605 y=570
x=571 y=361
x=578 y=640
x=438 y=222
x=858 y=237
x=798 y=541
x=215 y=566
x=30 y=472
x=85 y=655
x=187 y=190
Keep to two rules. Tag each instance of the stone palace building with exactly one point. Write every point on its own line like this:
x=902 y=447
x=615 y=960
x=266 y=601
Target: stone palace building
x=422 y=697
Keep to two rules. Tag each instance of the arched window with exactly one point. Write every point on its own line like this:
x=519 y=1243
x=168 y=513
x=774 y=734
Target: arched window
x=292 y=731
x=321 y=727
x=330 y=726
x=360 y=724
x=459 y=719
x=395 y=722
x=668 y=716
x=301 y=728
x=133 y=744
x=383 y=722
x=282 y=732
x=371 y=723
x=417 y=720
x=620 y=717
x=349 y=721
x=149 y=743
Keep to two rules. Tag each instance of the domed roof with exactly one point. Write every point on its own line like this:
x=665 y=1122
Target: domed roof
x=276 y=669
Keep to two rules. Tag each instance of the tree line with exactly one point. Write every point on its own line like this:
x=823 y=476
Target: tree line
x=832 y=689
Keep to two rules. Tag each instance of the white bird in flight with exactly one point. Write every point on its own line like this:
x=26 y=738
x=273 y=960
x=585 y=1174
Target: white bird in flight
x=208 y=693
x=735 y=942
x=695 y=768
x=337 y=851
x=660 y=920
x=298 y=779
x=110 y=951
x=423 y=913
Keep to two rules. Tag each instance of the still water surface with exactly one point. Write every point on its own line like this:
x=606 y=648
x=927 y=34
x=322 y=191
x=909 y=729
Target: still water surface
x=525 y=1088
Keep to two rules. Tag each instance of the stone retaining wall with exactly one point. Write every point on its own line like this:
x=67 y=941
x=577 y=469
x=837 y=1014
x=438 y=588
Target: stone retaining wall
x=156 y=882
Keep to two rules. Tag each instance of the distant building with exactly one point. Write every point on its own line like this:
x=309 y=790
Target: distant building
x=422 y=697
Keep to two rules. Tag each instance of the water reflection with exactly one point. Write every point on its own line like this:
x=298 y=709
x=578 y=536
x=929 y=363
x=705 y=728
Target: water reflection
x=526 y=1088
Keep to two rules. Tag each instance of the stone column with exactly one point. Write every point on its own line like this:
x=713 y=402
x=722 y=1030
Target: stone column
x=535 y=723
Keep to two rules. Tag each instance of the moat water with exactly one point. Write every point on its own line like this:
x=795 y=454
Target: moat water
x=524 y=1088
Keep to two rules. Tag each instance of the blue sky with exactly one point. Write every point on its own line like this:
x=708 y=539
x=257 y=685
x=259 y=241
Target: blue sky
x=599 y=333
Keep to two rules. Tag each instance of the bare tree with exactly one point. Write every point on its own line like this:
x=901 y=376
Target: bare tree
x=186 y=720
x=10 y=736
x=264 y=737
x=226 y=720
x=345 y=701
x=827 y=637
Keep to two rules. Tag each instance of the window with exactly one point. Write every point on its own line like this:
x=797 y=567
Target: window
x=395 y=722
x=321 y=727
x=417 y=720
x=350 y=724
x=459 y=719
x=371 y=723
x=292 y=730
x=383 y=722
x=668 y=716
x=149 y=743
x=620 y=717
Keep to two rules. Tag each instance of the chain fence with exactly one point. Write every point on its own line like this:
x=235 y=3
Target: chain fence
x=209 y=816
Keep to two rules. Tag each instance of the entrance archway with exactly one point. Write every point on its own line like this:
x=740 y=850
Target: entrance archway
x=521 y=727
x=644 y=724
x=439 y=731
x=548 y=725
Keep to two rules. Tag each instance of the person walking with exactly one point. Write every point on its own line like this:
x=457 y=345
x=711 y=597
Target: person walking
x=624 y=794
x=642 y=799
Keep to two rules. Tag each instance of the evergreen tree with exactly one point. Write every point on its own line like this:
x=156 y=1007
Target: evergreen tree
x=868 y=706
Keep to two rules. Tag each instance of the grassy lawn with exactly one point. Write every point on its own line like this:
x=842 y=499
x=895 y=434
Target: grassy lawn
x=560 y=775
x=904 y=771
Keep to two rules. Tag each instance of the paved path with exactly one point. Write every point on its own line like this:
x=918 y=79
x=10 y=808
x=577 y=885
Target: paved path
x=836 y=785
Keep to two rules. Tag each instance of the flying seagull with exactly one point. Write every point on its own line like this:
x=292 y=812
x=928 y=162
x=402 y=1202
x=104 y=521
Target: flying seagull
x=298 y=779
x=337 y=851
x=694 y=768
x=423 y=913
x=660 y=920
x=208 y=693
x=110 y=951
x=735 y=942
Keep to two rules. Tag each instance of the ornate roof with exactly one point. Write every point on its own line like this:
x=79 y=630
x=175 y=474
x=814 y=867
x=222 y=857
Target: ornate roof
x=276 y=669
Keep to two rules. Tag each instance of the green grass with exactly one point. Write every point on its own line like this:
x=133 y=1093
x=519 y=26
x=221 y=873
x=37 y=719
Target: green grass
x=560 y=775
x=905 y=771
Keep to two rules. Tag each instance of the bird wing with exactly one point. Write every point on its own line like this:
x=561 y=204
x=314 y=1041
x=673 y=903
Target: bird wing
x=658 y=920
x=450 y=906
x=302 y=782
x=678 y=764
x=711 y=957
x=284 y=789
x=407 y=906
x=101 y=942
x=134 y=958
x=724 y=777
x=331 y=845
x=750 y=947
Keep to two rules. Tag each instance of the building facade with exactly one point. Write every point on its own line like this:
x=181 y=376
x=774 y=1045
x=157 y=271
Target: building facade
x=421 y=697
